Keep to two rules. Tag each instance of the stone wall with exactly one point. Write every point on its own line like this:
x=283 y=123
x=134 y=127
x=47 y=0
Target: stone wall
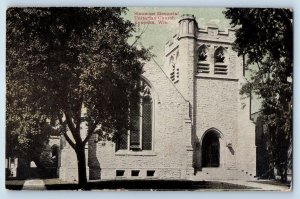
x=68 y=164
x=220 y=106
x=246 y=137
x=171 y=156
x=216 y=107
x=185 y=108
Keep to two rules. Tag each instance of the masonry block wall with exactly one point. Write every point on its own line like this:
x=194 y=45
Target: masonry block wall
x=68 y=171
x=171 y=156
x=195 y=96
x=217 y=97
x=212 y=86
x=246 y=137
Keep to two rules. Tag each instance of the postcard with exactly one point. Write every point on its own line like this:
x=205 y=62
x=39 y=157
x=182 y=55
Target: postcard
x=149 y=98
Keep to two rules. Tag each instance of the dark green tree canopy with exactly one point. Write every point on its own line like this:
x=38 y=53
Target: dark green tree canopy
x=69 y=66
x=265 y=38
x=263 y=32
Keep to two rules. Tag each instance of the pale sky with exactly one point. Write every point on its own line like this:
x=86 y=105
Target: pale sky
x=156 y=35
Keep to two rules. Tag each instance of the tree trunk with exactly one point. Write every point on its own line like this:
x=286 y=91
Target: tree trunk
x=284 y=165
x=271 y=174
x=82 y=178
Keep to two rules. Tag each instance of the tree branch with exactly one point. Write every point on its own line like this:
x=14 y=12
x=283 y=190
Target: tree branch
x=69 y=140
x=258 y=65
x=78 y=119
x=90 y=132
x=65 y=134
x=72 y=128
x=69 y=121
x=138 y=37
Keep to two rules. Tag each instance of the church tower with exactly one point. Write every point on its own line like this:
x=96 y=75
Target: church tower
x=208 y=73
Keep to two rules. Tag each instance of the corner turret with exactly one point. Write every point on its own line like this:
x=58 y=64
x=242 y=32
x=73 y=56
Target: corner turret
x=188 y=26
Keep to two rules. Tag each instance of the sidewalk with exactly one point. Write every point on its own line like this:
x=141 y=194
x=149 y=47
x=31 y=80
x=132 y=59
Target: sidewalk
x=259 y=185
x=34 y=185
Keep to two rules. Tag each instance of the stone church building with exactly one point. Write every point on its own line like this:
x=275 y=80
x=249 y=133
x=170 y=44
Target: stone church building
x=193 y=123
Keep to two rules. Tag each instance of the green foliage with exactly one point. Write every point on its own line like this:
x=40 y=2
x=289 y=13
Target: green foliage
x=265 y=37
x=69 y=66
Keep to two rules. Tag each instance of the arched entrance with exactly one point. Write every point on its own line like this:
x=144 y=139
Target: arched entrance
x=211 y=150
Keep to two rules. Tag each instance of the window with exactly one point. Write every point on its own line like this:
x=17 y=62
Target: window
x=202 y=53
x=172 y=65
x=203 y=65
x=150 y=173
x=174 y=74
x=135 y=172
x=219 y=55
x=220 y=61
x=120 y=173
x=140 y=136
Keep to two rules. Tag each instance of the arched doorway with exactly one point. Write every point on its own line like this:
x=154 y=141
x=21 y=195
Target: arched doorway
x=211 y=150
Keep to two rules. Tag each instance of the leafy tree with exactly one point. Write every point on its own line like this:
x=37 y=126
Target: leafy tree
x=73 y=70
x=27 y=129
x=265 y=37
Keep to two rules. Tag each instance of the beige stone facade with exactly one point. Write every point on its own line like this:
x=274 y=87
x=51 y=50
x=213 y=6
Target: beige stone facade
x=199 y=124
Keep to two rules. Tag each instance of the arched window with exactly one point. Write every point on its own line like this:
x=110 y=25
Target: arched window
x=219 y=55
x=221 y=58
x=202 y=53
x=203 y=65
x=140 y=135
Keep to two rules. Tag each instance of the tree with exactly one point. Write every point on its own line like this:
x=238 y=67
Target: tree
x=68 y=68
x=27 y=129
x=265 y=37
